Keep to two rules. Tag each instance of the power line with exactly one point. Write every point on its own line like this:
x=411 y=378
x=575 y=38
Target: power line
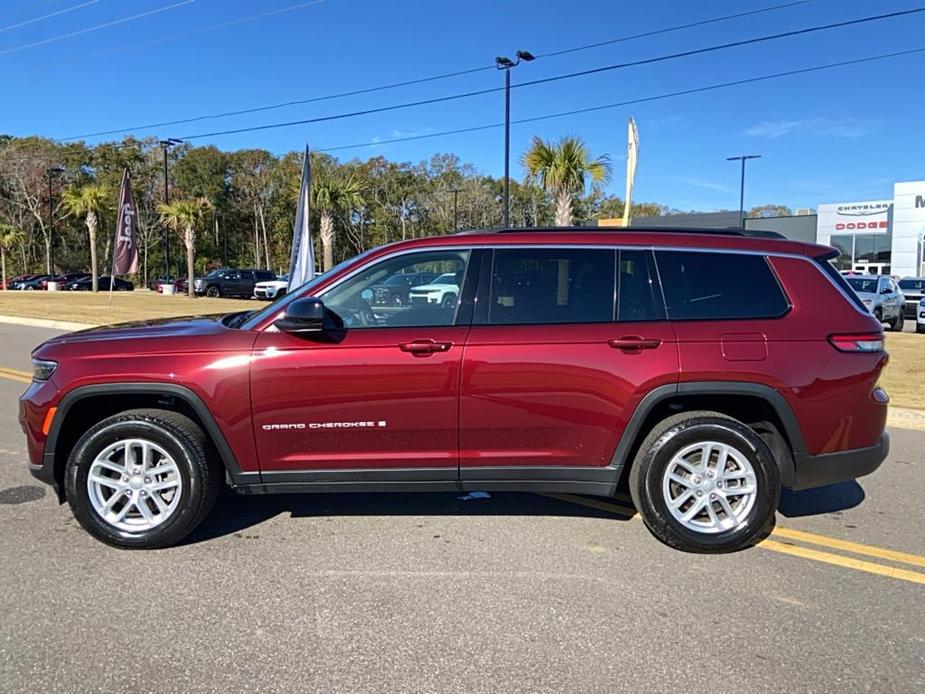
x=36 y=20
x=557 y=78
x=620 y=104
x=424 y=80
x=87 y=30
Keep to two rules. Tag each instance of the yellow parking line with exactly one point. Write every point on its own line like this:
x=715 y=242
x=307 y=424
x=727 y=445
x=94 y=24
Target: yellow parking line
x=15 y=375
x=846 y=562
x=856 y=548
x=803 y=552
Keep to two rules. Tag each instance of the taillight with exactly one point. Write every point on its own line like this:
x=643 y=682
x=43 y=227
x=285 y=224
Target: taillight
x=867 y=342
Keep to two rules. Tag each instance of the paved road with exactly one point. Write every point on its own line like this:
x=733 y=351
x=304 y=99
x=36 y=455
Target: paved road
x=431 y=592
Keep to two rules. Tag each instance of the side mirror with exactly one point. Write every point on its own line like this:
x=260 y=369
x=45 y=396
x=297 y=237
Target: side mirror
x=303 y=316
x=885 y=290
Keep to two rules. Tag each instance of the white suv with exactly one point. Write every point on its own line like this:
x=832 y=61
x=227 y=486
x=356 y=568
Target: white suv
x=443 y=291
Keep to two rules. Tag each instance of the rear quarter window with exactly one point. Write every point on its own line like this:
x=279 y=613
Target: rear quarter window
x=719 y=286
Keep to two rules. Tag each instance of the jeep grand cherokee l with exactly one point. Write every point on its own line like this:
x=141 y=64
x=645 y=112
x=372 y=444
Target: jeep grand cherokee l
x=706 y=370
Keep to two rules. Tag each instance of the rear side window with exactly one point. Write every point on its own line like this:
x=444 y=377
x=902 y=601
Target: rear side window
x=551 y=285
x=719 y=286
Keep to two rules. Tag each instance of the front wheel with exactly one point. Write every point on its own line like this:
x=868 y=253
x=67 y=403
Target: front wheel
x=920 y=328
x=705 y=482
x=899 y=323
x=213 y=292
x=142 y=479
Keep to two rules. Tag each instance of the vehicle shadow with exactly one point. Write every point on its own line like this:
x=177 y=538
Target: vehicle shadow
x=235 y=514
x=812 y=502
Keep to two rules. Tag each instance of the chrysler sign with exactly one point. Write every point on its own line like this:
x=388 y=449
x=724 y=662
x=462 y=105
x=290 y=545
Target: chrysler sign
x=871 y=217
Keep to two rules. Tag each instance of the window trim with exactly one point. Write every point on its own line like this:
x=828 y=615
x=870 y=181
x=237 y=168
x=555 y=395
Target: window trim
x=788 y=304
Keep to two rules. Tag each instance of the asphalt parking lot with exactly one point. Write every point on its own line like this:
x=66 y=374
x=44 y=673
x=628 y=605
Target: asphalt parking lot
x=439 y=592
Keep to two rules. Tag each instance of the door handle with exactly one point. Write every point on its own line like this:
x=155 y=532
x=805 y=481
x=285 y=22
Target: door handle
x=634 y=342
x=422 y=347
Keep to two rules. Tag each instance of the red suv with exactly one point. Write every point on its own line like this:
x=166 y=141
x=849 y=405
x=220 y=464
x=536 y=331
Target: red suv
x=704 y=369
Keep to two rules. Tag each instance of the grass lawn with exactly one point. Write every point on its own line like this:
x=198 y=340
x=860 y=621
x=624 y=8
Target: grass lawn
x=85 y=307
x=904 y=378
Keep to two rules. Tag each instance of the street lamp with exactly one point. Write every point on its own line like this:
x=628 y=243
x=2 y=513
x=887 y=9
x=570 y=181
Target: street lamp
x=51 y=219
x=502 y=63
x=743 y=158
x=166 y=145
x=455 y=192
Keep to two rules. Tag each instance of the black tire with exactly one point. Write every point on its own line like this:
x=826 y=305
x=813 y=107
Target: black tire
x=656 y=452
x=186 y=443
x=898 y=324
x=449 y=301
x=919 y=328
x=213 y=292
x=878 y=314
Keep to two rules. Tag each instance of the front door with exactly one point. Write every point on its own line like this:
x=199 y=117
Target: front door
x=378 y=390
x=554 y=365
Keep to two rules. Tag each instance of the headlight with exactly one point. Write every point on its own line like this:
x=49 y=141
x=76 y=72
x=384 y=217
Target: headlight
x=922 y=302
x=42 y=369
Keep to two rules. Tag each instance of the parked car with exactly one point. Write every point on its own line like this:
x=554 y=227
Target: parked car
x=396 y=290
x=271 y=289
x=86 y=284
x=62 y=280
x=706 y=370
x=20 y=280
x=231 y=282
x=913 y=288
x=33 y=283
x=920 y=316
x=882 y=297
x=443 y=290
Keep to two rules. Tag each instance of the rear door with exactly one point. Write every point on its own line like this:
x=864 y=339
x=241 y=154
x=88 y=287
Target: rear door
x=555 y=364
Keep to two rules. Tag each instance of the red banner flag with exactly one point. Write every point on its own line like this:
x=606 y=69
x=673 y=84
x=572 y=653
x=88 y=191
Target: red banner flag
x=125 y=251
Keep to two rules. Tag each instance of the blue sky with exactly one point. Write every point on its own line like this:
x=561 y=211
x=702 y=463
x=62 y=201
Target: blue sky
x=842 y=134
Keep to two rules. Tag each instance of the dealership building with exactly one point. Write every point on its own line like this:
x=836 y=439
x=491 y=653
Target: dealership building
x=875 y=236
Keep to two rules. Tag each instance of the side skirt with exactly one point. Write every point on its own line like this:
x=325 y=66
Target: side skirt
x=561 y=486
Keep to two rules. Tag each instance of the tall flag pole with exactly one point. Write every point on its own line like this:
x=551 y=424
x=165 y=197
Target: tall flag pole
x=632 y=156
x=302 y=261
x=125 y=249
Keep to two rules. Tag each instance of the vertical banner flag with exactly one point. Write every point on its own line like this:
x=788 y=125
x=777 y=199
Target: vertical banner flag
x=632 y=155
x=302 y=262
x=125 y=251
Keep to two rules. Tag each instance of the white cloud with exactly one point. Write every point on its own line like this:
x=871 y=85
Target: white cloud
x=701 y=183
x=822 y=127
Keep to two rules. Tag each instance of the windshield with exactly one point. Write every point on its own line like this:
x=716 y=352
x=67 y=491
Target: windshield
x=911 y=284
x=303 y=290
x=860 y=284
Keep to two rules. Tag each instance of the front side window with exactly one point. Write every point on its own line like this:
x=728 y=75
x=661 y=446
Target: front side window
x=532 y=286
x=382 y=295
x=719 y=286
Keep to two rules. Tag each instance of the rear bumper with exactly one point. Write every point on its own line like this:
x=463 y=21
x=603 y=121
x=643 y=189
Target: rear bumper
x=828 y=468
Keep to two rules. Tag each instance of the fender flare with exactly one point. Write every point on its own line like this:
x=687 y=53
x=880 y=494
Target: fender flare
x=661 y=393
x=183 y=393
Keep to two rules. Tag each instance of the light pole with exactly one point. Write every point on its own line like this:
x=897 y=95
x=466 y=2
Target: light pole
x=506 y=64
x=51 y=220
x=743 y=158
x=166 y=145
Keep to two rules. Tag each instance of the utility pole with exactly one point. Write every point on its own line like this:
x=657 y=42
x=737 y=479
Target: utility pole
x=455 y=192
x=166 y=145
x=743 y=158
x=51 y=220
x=502 y=63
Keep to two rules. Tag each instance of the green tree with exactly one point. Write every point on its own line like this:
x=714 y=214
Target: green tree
x=769 y=211
x=89 y=201
x=563 y=169
x=332 y=196
x=185 y=217
x=10 y=237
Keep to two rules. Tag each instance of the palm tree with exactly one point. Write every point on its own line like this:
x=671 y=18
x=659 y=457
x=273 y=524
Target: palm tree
x=563 y=168
x=185 y=217
x=330 y=196
x=89 y=201
x=10 y=236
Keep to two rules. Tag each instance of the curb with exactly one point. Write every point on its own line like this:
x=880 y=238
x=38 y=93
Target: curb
x=45 y=323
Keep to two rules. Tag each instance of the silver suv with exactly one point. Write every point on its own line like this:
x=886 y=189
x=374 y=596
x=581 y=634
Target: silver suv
x=882 y=297
x=913 y=288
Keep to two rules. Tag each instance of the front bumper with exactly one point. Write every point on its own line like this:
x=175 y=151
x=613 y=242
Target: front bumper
x=828 y=468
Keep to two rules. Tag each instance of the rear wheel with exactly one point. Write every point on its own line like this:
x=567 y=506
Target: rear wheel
x=705 y=482
x=142 y=479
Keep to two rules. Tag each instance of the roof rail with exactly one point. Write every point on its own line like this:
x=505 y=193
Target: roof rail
x=718 y=231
